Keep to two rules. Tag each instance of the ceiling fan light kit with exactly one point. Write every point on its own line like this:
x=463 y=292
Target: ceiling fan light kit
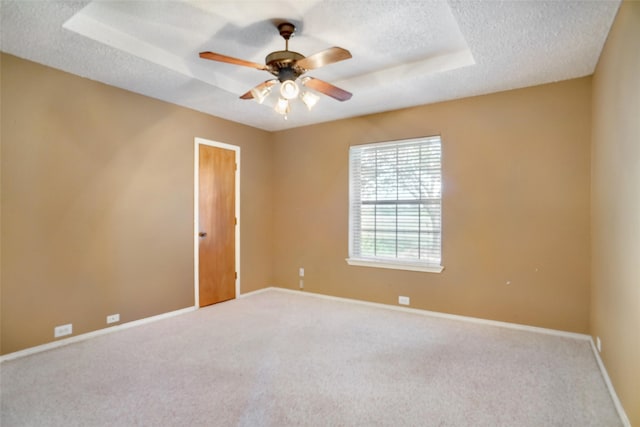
x=287 y=66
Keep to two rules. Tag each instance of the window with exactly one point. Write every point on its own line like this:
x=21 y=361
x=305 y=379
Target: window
x=395 y=204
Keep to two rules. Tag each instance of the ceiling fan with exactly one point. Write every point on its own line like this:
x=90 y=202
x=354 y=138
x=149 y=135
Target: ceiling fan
x=287 y=66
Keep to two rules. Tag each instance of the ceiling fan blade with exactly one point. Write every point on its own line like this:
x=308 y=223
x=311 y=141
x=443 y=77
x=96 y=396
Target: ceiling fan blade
x=231 y=60
x=325 y=57
x=328 y=89
x=268 y=83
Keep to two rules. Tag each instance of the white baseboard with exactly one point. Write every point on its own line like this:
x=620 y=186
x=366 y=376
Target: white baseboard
x=66 y=341
x=612 y=391
x=443 y=315
x=257 y=291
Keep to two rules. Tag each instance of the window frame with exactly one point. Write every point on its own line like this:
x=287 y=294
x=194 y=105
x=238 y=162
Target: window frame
x=389 y=262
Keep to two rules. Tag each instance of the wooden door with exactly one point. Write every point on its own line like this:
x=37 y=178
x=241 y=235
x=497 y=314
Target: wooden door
x=217 y=222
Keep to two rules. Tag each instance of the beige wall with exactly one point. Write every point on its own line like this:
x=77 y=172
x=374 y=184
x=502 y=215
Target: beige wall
x=615 y=298
x=97 y=203
x=515 y=207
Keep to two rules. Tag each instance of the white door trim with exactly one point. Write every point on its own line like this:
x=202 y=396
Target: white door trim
x=196 y=215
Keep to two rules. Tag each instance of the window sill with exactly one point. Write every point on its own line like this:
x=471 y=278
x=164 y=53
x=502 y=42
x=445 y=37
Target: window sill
x=395 y=265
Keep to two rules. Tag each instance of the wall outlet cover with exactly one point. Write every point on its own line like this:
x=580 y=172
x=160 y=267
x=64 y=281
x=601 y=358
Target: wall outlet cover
x=113 y=318
x=62 y=330
x=404 y=300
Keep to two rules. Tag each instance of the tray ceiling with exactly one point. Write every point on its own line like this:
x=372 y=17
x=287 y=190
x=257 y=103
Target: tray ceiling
x=405 y=53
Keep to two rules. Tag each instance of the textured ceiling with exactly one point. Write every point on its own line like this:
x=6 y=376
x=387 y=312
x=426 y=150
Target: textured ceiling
x=405 y=53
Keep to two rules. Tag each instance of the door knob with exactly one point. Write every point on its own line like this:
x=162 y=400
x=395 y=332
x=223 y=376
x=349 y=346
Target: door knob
x=202 y=234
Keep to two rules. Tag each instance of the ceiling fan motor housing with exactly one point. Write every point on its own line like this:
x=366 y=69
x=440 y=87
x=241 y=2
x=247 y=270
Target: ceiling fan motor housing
x=282 y=64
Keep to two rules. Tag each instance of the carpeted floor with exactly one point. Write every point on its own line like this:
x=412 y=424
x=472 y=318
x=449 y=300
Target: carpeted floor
x=286 y=359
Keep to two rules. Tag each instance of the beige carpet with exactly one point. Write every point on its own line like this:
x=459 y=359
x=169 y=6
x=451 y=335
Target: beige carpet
x=285 y=359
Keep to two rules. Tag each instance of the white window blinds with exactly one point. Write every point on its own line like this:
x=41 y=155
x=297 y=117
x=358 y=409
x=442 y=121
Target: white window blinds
x=395 y=202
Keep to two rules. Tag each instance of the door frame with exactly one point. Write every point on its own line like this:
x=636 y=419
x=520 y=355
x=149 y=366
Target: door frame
x=196 y=214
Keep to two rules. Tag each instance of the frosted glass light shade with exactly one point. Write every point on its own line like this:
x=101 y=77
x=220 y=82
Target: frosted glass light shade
x=282 y=107
x=289 y=89
x=309 y=99
x=260 y=94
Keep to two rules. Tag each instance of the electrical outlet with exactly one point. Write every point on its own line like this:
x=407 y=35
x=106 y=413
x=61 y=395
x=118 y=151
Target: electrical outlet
x=404 y=300
x=598 y=344
x=301 y=272
x=301 y=284
x=62 y=330
x=113 y=318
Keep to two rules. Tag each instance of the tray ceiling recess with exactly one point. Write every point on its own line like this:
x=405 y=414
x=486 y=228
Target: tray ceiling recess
x=403 y=53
